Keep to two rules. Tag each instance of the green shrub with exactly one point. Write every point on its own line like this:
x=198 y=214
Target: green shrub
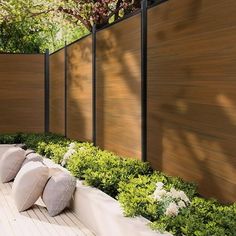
x=82 y=160
x=104 y=170
x=7 y=138
x=136 y=198
x=32 y=140
x=202 y=218
x=52 y=150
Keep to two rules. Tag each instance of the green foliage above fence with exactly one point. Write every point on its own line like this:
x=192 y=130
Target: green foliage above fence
x=32 y=26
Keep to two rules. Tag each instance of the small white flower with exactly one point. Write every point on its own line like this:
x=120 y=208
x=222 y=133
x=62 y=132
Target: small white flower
x=162 y=193
x=172 y=210
x=63 y=163
x=179 y=195
x=159 y=185
x=82 y=148
x=67 y=155
x=181 y=204
x=157 y=197
x=159 y=193
x=72 y=145
x=168 y=194
x=70 y=152
x=183 y=197
x=174 y=193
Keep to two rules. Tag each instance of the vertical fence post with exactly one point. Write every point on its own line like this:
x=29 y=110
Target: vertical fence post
x=94 y=82
x=144 y=79
x=66 y=85
x=46 y=91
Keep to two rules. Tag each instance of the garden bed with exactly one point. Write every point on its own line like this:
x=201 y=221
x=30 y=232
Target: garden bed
x=170 y=203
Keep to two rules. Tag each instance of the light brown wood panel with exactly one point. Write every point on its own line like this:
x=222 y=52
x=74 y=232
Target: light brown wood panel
x=57 y=92
x=21 y=93
x=79 y=106
x=191 y=93
x=118 y=88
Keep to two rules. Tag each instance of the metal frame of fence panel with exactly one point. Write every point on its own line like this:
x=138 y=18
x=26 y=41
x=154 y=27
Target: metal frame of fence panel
x=66 y=90
x=46 y=92
x=94 y=125
x=144 y=79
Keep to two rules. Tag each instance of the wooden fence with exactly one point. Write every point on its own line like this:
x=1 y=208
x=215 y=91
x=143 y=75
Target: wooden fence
x=179 y=114
x=156 y=86
x=22 y=85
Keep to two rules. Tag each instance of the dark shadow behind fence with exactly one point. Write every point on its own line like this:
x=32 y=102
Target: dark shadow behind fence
x=165 y=93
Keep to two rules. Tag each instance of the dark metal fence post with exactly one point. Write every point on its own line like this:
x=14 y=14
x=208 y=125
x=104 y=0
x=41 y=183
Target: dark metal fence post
x=46 y=92
x=144 y=79
x=94 y=82
x=66 y=84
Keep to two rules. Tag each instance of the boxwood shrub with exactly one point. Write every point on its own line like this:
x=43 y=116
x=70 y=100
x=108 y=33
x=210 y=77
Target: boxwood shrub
x=104 y=170
x=54 y=151
x=133 y=182
x=8 y=138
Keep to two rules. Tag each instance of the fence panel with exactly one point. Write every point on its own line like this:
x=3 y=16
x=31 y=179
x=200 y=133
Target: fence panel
x=118 y=88
x=191 y=93
x=57 y=92
x=21 y=93
x=79 y=100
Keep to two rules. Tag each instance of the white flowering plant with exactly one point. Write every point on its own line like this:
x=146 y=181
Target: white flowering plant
x=157 y=197
x=169 y=202
x=71 y=150
x=151 y=196
x=74 y=148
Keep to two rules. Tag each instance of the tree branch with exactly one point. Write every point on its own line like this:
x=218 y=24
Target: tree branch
x=86 y=23
x=116 y=11
x=40 y=13
x=117 y=6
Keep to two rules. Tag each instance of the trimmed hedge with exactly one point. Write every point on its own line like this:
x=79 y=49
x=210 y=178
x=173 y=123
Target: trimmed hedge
x=133 y=182
x=104 y=170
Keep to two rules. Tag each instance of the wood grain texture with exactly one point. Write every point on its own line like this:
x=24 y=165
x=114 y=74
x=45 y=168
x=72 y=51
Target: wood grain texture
x=118 y=88
x=79 y=106
x=21 y=93
x=57 y=92
x=191 y=93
